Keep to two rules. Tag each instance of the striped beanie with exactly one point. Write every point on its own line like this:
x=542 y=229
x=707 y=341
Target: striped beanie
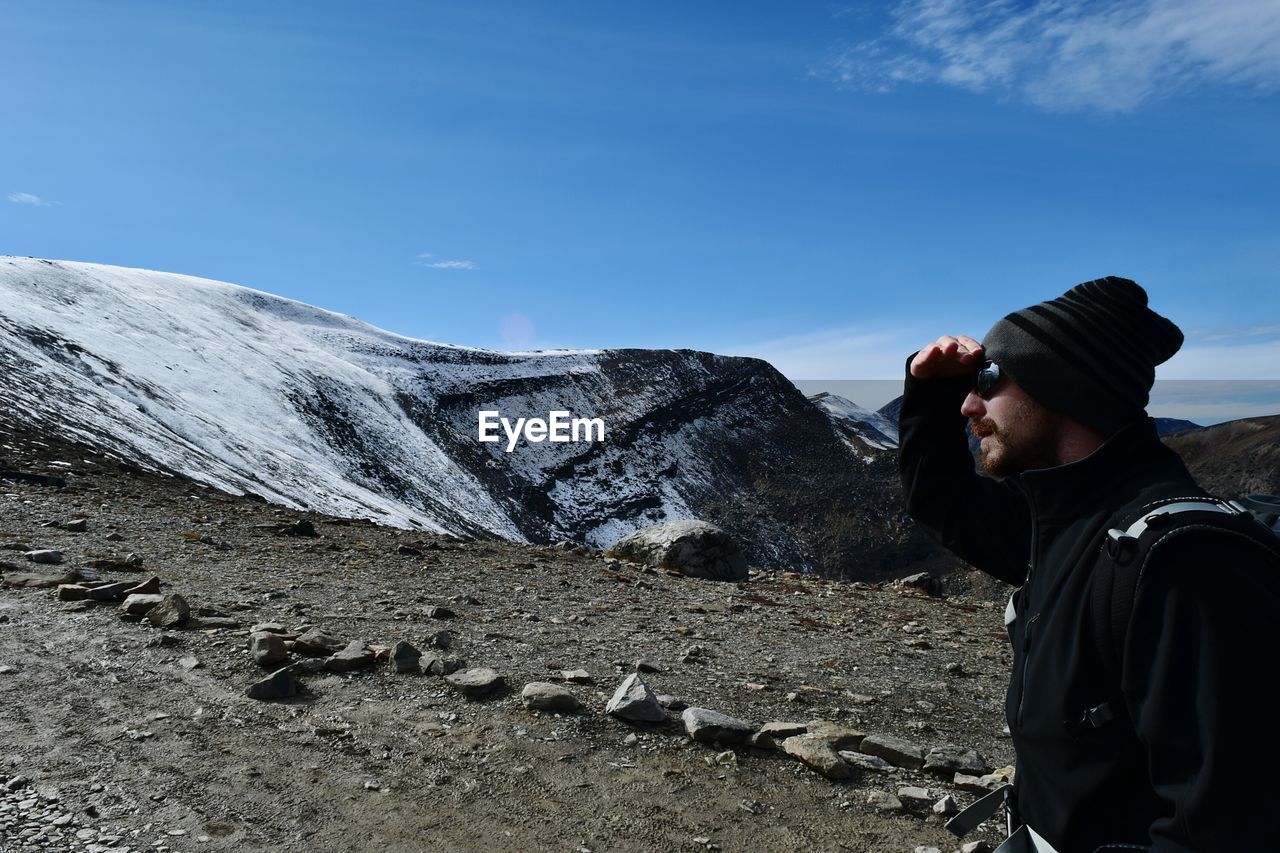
x=1090 y=354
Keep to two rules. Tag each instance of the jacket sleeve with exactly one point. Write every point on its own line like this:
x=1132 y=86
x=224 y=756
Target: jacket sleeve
x=984 y=522
x=1197 y=663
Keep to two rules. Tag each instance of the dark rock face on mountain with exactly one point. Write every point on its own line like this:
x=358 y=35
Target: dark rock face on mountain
x=1169 y=426
x=248 y=392
x=1234 y=458
x=891 y=410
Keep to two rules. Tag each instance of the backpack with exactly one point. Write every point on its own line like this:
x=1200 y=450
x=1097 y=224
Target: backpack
x=1127 y=551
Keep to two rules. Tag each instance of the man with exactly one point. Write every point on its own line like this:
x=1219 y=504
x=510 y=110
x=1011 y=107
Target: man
x=1141 y=654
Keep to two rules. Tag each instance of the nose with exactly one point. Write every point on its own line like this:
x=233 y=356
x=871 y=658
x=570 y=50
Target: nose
x=973 y=407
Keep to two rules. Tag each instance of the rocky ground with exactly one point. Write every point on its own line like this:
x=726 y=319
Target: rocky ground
x=120 y=735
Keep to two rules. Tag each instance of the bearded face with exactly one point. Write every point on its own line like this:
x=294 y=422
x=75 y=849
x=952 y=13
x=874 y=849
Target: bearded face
x=1021 y=436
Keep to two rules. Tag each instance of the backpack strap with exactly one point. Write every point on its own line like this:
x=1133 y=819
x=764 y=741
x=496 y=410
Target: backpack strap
x=1126 y=552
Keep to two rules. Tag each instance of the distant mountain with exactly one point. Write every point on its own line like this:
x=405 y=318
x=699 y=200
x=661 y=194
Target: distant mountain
x=249 y=392
x=1234 y=458
x=861 y=428
x=1169 y=426
x=1164 y=426
x=891 y=410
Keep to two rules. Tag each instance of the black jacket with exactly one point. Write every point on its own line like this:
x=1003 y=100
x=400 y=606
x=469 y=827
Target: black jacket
x=1186 y=764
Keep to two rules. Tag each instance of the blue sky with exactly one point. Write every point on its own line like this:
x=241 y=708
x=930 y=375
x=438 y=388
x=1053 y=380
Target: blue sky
x=827 y=186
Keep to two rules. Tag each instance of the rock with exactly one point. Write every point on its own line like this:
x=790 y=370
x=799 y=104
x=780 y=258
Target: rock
x=976 y=847
x=440 y=613
x=172 y=611
x=151 y=586
x=956 y=668
x=545 y=696
x=695 y=548
x=947 y=806
x=635 y=702
x=970 y=784
x=841 y=737
x=922 y=581
x=306 y=666
x=475 y=683
x=866 y=762
x=139 y=604
x=315 y=641
x=645 y=666
x=355 y=656
x=267 y=649
x=404 y=658
x=269 y=627
x=433 y=664
x=707 y=726
x=278 y=685
x=947 y=760
x=189 y=663
x=923 y=849
x=46 y=557
x=72 y=592
x=209 y=622
x=577 y=676
x=817 y=754
x=33 y=580
x=302 y=527
x=440 y=640
x=915 y=796
x=780 y=731
x=752 y=807
x=895 y=750
x=884 y=801
x=111 y=591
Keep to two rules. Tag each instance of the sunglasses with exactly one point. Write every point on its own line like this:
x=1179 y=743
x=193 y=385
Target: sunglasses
x=985 y=379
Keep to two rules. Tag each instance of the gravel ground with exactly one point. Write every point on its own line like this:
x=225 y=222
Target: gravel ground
x=118 y=735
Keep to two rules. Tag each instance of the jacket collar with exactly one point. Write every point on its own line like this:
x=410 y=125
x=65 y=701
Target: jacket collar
x=1101 y=479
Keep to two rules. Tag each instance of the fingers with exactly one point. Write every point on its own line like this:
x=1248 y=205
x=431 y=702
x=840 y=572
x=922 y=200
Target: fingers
x=974 y=347
x=947 y=356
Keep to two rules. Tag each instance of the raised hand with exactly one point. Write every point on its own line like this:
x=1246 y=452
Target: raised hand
x=947 y=356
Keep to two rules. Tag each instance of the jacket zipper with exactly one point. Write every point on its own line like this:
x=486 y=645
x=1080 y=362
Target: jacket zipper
x=1030 y=623
x=1026 y=657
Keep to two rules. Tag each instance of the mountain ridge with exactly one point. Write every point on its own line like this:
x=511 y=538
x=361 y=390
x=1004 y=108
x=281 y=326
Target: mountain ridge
x=307 y=408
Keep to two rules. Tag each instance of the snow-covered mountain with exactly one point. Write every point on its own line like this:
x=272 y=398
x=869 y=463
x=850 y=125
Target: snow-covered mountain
x=860 y=428
x=249 y=392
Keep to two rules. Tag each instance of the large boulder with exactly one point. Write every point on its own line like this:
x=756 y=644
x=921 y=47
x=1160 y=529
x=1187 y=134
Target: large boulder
x=695 y=548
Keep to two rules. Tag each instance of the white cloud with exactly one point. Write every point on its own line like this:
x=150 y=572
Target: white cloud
x=33 y=200
x=424 y=260
x=1065 y=55
x=1241 y=361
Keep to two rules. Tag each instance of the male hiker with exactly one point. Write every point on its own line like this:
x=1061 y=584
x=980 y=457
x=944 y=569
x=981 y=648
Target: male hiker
x=1143 y=630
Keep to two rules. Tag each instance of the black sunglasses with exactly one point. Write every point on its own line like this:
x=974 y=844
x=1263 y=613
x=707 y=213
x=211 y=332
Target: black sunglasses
x=985 y=379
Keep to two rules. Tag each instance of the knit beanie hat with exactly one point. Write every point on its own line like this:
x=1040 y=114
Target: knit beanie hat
x=1090 y=354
